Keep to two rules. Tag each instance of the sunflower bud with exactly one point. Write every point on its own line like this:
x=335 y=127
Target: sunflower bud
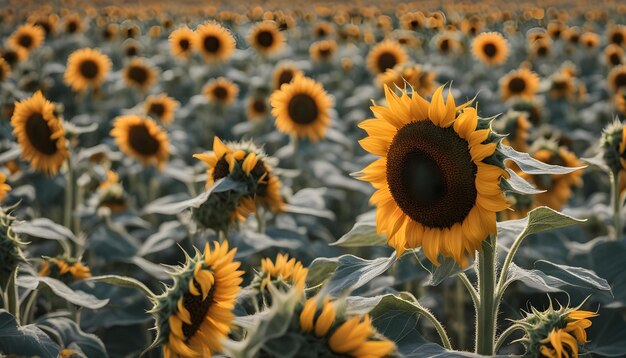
x=10 y=248
x=613 y=145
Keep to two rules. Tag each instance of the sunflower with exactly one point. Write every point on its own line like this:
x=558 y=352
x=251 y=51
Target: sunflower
x=353 y=337
x=109 y=32
x=4 y=187
x=131 y=48
x=13 y=55
x=617 y=35
x=517 y=126
x=472 y=26
x=27 y=37
x=620 y=101
x=139 y=74
x=447 y=44
x=64 y=269
x=541 y=48
x=562 y=86
x=5 y=70
x=181 y=42
x=282 y=271
x=141 y=138
x=323 y=29
x=556 y=29
x=40 y=133
x=110 y=194
x=302 y=108
x=47 y=23
x=412 y=21
x=322 y=51
x=421 y=80
x=215 y=42
x=490 y=48
x=617 y=78
x=86 y=68
x=195 y=313
x=257 y=108
x=221 y=91
x=266 y=38
x=385 y=55
x=435 y=189
x=519 y=83
x=73 y=24
x=161 y=107
x=285 y=73
x=614 y=55
x=573 y=35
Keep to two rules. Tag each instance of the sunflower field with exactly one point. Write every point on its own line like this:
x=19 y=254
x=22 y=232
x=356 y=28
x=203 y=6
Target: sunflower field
x=312 y=179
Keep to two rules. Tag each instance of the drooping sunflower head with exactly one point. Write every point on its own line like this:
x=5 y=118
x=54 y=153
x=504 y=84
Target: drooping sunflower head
x=40 y=133
x=614 y=55
x=86 y=68
x=437 y=181
x=555 y=333
x=617 y=78
x=132 y=48
x=221 y=91
x=519 y=83
x=27 y=37
x=266 y=38
x=161 y=107
x=181 y=42
x=555 y=29
x=385 y=55
x=10 y=247
x=285 y=73
x=301 y=108
x=322 y=51
x=142 y=139
x=110 y=194
x=613 y=144
x=139 y=74
x=447 y=44
x=541 y=48
x=215 y=42
x=517 y=126
x=282 y=273
x=472 y=25
x=491 y=48
x=46 y=22
x=64 y=268
x=195 y=314
x=412 y=21
x=562 y=86
x=13 y=55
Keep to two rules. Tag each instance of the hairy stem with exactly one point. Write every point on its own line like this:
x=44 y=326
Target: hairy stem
x=487 y=310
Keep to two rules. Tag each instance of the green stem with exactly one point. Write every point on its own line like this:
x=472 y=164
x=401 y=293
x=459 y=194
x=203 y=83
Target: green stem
x=29 y=309
x=11 y=297
x=440 y=330
x=259 y=220
x=617 y=205
x=487 y=310
x=69 y=195
x=470 y=288
x=507 y=332
x=459 y=300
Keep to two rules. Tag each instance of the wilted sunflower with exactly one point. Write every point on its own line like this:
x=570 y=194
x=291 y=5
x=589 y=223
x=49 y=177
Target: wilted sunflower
x=386 y=55
x=266 y=38
x=617 y=78
x=27 y=37
x=63 y=268
x=617 y=35
x=435 y=189
x=614 y=55
x=282 y=271
x=141 y=138
x=40 y=133
x=4 y=187
x=86 y=68
x=221 y=91
x=5 y=70
x=302 y=108
x=285 y=73
x=181 y=42
x=215 y=42
x=490 y=48
x=257 y=108
x=522 y=83
x=195 y=313
x=324 y=50
x=161 y=107
x=353 y=337
x=139 y=74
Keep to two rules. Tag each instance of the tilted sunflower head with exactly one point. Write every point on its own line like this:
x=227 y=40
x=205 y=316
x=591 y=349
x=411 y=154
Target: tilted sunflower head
x=258 y=108
x=5 y=69
x=438 y=179
x=86 y=68
x=4 y=187
x=555 y=333
x=613 y=144
x=181 y=42
x=141 y=138
x=617 y=78
x=40 y=134
x=283 y=273
x=620 y=101
x=110 y=193
x=161 y=107
x=324 y=50
x=65 y=269
x=10 y=247
x=194 y=314
x=614 y=55
x=214 y=42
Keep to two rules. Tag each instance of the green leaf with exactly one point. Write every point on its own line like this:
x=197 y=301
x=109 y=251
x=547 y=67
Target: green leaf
x=70 y=332
x=320 y=270
x=123 y=281
x=169 y=234
x=598 y=161
x=354 y=272
x=567 y=277
x=362 y=234
x=575 y=276
x=44 y=228
x=60 y=289
x=517 y=184
x=531 y=165
x=24 y=341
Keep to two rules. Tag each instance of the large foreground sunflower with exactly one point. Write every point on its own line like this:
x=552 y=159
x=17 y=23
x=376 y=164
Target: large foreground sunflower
x=141 y=138
x=195 y=314
x=214 y=41
x=490 y=48
x=435 y=188
x=301 y=108
x=86 y=68
x=40 y=133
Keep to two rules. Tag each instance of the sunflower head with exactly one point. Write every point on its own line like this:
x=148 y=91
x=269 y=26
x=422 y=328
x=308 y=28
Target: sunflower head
x=73 y=24
x=301 y=108
x=522 y=83
x=447 y=44
x=10 y=247
x=517 y=126
x=258 y=108
x=285 y=73
x=266 y=38
x=13 y=55
x=215 y=42
x=139 y=74
x=562 y=86
x=385 y=55
x=161 y=107
x=65 y=269
x=323 y=29
x=620 y=101
x=438 y=179
x=86 y=68
x=40 y=133
x=111 y=195
x=617 y=35
x=221 y=91
x=194 y=314
x=27 y=38
x=322 y=51
x=613 y=144
x=590 y=39
x=283 y=273
x=617 y=78
x=182 y=42
x=420 y=79
x=555 y=332
x=141 y=138
x=490 y=48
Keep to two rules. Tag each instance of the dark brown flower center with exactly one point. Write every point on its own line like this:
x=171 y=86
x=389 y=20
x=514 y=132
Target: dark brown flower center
x=617 y=38
x=89 y=69
x=265 y=38
x=321 y=32
x=444 y=45
x=386 y=60
x=414 y=24
x=517 y=85
x=490 y=50
x=184 y=44
x=197 y=308
x=258 y=105
x=615 y=59
x=221 y=170
x=10 y=57
x=574 y=38
x=220 y=92
x=620 y=80
x=285 y=77
x=542 y=51
x=157 y=108
x=325 y=52
x=559 y=85
x=45 y=25
x=138 y=74
x=302 y=109
x=25 y=40
x=211 y=44
x=431 y=175
x=142 y=141
x=131 y=51
x=72 y=27
x=38 y=133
